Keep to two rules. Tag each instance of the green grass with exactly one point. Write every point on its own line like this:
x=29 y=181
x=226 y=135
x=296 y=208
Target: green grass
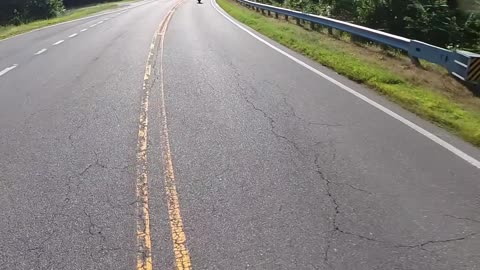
x=431 y=104
x=12 y=30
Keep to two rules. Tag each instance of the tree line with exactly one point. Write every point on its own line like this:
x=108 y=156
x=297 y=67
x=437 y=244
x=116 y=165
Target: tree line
x=445 y=23
x=24 y=11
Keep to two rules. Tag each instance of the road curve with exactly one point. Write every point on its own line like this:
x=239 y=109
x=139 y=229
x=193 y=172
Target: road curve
x=254 y=161
x=278 y=168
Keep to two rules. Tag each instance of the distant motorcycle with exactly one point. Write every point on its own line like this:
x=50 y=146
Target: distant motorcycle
x=199 y=1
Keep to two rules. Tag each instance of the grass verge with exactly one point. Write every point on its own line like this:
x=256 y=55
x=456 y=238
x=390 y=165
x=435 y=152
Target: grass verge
x=429 y=93
x=12 y=30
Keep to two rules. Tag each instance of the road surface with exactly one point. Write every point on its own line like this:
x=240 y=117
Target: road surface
x=253 y=160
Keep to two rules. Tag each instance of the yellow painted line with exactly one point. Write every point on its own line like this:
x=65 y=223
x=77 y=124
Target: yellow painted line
x=144 y=253
x=182 y=256
x=144 y=242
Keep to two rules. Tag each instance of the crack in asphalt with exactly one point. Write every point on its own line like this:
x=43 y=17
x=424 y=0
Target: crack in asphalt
x=336 y=227
x=310 y=123
x=94 y=164
x=463 y=218
x=272 y=127
x=92 y=226
x=336 y=208
x=41 y=246
x=353 y=187
x=430 y=242
x=330 y=144
x=318 y=170
x=291 y=109
x=328 y=187
x=77 y=128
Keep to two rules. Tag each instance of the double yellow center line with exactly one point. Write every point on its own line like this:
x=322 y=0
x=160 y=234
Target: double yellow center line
x=144 y=243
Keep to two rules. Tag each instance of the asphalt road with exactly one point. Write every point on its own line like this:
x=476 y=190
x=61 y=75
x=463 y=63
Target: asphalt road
x=275 y=166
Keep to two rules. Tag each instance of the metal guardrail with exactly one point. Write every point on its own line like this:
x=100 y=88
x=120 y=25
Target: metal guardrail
x=461 y=64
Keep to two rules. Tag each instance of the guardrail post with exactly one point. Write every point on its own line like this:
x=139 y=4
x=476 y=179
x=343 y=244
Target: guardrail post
x=298 y=21
x=276 y=15
x=268 y=12
x=330 y=31
x=415 y=61
x=312 y=25
x=263 y=11
x=286 y=18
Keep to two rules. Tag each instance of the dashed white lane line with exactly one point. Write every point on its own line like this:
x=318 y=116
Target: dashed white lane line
x=93 y=25
x=3 y=72
x=73 y=35
x=83 y=30
x=41 y=51
x=58 y=42
x=100 y=22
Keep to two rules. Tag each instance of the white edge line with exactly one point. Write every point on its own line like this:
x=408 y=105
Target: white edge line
x=73 y=35
x=3 y=72
x=382 y=108
x=58 y=42
x=41 y=51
